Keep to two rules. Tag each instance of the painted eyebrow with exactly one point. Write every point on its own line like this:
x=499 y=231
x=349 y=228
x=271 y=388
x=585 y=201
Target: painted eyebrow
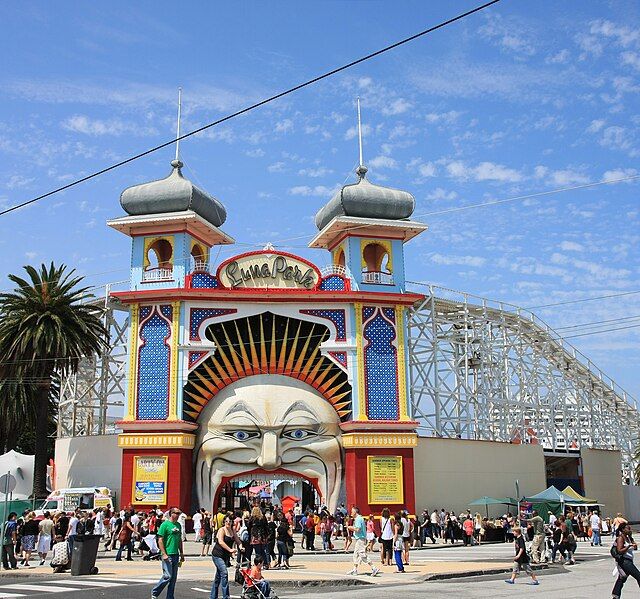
x=240 y=406
x=298 y=406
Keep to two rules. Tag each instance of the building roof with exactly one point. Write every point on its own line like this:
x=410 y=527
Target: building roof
x=366 y=200
x=172 y=194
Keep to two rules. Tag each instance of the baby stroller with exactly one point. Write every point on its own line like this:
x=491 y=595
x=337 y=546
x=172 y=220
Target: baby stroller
x=250 y=590
x=150 y=543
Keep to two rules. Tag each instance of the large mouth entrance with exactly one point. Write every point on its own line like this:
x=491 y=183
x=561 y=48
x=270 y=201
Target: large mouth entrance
x=244 y=491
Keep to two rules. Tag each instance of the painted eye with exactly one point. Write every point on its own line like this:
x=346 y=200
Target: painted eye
x=243 y=435
x=298 y=434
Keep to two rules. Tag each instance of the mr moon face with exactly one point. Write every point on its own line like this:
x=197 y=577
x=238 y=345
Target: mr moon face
x=269 y=424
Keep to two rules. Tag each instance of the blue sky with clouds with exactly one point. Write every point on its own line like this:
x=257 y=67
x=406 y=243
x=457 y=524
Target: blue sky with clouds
x=524 y=98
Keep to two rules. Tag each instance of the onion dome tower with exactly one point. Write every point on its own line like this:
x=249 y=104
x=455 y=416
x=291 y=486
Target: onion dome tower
x=365 y=226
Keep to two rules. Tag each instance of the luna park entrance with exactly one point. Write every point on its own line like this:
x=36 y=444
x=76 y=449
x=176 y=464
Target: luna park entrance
x=244 y=494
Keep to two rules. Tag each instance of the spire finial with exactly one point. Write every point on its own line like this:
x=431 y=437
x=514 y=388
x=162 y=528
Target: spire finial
x=177 y=158
x=361 y=171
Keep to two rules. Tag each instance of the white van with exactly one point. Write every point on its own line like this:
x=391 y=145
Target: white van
x=83 y=498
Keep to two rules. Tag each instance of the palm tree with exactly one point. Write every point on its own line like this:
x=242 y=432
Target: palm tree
x=46 y=328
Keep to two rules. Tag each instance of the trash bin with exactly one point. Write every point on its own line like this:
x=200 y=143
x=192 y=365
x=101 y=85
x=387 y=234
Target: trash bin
x=83 y=556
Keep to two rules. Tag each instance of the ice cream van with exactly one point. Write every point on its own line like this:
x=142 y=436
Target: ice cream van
x=78 y=498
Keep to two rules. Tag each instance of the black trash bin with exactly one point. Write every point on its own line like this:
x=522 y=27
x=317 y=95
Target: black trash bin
x=83 y=556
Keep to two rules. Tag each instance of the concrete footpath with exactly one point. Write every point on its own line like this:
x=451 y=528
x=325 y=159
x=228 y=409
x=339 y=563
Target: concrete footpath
x=330 y=569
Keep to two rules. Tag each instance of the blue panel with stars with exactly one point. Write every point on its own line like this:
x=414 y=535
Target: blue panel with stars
x=204 y=280
x=199 y=315
x=381 y=367
x=333 y=283
x=153 y=368
x=337 y=317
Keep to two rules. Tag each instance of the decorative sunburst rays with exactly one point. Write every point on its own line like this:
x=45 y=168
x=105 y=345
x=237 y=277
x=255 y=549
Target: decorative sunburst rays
x=267 y=344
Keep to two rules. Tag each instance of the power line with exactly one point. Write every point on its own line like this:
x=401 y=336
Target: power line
x=632 y=326
x=252 y=107
x=588 y=299
x=599 y=322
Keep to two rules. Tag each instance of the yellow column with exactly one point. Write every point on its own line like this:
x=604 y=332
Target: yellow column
x=362 y=406
x=134 y=314
x=402 y=365
x=175 y=361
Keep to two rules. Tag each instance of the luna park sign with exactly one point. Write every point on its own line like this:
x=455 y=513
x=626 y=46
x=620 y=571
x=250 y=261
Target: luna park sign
x=268 y=269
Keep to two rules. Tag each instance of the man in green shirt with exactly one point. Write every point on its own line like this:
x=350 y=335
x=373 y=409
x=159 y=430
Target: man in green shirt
x=171 y=552
x=537 y=545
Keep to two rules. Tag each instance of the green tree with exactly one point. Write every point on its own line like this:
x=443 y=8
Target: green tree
x=46 y=327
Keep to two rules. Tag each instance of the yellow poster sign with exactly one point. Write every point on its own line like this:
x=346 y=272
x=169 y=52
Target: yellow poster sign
x=150 y=479
x=384 y=478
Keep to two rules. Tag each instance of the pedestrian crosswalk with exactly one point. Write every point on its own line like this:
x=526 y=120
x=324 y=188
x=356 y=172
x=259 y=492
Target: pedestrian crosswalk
x=42 y=588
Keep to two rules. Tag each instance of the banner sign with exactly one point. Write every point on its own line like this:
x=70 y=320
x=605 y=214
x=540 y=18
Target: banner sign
x=384 y=478
x=268 y=269
x=150 y=479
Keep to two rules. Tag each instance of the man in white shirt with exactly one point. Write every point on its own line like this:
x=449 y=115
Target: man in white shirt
x=135 y=520
x=435 y=524
x=71 y=531
x=552 y=519
x=595 y=529
x=197 y=525
x=182 y=518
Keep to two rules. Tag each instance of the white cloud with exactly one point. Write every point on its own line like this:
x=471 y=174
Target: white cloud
x=257 y=153
x=616 y=138
x=306 y=190
x=567 y=177
x=558 y=58
x=509 y=34
x=276 y=167
x=30 y=255
x=364 y=82
x=595 y=125
x=443 y=117
x=441 y=194
x=17 y=181
x=353 y=132
x=449 y=260
x=383 y=162
x=320 y=171
x=284 y=126
x=631 y=58
x=571 y=246
x=96 y=127
x=619 y=173
x=621 y=34
x=398 y=106
x=593 y=268
x=485 y=171
x=427 y=169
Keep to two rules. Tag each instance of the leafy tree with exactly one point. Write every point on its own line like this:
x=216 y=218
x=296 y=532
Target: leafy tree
x=46 y=327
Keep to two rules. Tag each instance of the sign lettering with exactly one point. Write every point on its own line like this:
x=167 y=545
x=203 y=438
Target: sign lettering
x=268 y=270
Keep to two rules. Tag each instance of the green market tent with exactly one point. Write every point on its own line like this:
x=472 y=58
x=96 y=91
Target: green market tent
x=551 y=500
x=487 y=501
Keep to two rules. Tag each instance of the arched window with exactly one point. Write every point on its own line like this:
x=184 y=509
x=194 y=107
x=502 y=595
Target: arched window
x=198 y=258
x=376 y=264
x=159 y=260
x=339 y=257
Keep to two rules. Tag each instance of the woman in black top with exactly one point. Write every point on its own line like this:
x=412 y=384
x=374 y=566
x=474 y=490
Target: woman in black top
x=221 y=556
x=284 y=536
x=207 y=534
x=258 y=532
x=29 y=534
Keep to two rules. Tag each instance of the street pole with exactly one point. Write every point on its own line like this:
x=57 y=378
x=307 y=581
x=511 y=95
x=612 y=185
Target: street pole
x=6 y=496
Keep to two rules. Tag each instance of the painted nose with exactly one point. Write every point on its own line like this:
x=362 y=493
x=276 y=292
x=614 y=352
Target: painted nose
x=269 y=458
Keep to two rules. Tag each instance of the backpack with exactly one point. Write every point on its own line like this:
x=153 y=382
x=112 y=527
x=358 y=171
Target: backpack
x=243 y=533
x=81 y=527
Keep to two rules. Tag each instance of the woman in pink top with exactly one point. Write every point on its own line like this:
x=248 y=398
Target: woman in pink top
x=467 y=529
x=371 y=534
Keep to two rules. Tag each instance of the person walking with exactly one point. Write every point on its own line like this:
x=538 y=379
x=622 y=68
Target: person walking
x=45 y=532
x=407 y=529
x=537 y=545
x=72 y=531
x=125 y=538
x=371 y=532
x=625 y=546
x=284 y=538
x=596 y=524
x=359 y=532
x=207 y=534
x=386 y=537
x=171 y=553
x=221 y=554
x=467 y=531
x=9 y=540
x=398 y=544
x=29 y=535
x=197 y=523
x=521 y=560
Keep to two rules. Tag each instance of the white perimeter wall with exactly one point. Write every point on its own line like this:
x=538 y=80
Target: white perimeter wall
x=451 y=472
x=602 y=475
x=631 y=502
x=89 y=462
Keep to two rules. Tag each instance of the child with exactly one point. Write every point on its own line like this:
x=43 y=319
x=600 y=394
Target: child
x=521 y=560
x=398 y=544
x=256 y=579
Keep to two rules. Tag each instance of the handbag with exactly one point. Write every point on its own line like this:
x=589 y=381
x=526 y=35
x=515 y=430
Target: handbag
x=380 y=539
x=290 y=546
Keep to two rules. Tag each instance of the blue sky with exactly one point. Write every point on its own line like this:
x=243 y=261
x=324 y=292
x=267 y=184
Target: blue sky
x=525 y=98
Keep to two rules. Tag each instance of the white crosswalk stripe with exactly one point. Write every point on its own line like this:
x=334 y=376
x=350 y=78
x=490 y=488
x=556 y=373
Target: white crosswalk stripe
x=43 y=588
x=10 y=595
x=87 y=583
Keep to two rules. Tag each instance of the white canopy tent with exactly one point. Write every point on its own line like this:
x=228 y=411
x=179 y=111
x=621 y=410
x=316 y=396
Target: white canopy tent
x=20 y=466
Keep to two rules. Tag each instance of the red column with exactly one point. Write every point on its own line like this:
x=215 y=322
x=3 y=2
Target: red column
x=356 y=479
